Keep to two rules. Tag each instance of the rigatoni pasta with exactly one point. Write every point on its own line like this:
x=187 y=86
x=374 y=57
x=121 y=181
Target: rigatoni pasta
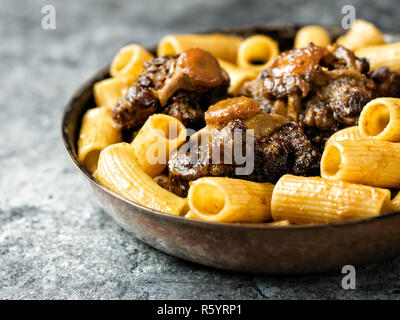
x=257 y=52
x=361 y=34
x=97 y=132
x=385 y=55
x=118 y=170
x=237 y=75
x=129 y=61
x=160 y=135
x=221 y=199
x=371 y=162
x=350 y=133
x=219 y=45
x=380 y=119
x=395 y=203
x=315 y=34
x=304 y=200
x=107 y=92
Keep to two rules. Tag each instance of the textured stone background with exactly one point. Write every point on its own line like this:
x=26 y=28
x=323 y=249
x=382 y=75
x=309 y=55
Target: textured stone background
x=54 y=241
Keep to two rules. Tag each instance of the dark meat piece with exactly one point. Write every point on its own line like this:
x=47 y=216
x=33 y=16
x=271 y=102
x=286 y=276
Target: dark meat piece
x=387 y=82
x=340 y=58
x=290 y=72
x=204 y=156
x=254 y=89
x=265 y=159
x=156 y=71
x=342 y=100
x=135 y=107
x=287 y=151
x=140 y=101
x=187 y=108
x=334 y=106
x=324 y=89
x=183 y=86
x=347 y=97
x=280 y=88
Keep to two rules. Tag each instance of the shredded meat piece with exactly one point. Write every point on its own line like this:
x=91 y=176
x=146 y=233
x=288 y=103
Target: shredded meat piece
x=135 y=107
x=290 y=72
x=197 y=158
x=279 y=149
x=387 y=82
x=323 y=89
x=338 y=57
x=182 y=85
x=156 y=71
x=187 y=108
x=288 y=150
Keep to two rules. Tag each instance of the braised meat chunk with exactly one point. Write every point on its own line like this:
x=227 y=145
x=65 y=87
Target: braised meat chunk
x=133 y=109
x=182 y=86
x=288 y=150
x=239 y=141
x=323 y=89
x=387 y=82
x=334 y=106
x=204 y=156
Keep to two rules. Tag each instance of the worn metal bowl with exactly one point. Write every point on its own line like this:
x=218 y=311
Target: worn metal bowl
x=256 y=249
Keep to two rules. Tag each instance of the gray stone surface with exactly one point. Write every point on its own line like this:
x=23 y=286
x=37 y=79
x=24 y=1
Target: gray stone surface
x=54 y=241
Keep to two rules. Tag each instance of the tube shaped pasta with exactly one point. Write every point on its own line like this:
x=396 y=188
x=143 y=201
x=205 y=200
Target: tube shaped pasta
x=380 y=119
x=361 y=34
x=395 y=203
x=385 y=55
x=221 y=199
x=108 y=92
x=219 y=45
x=257 y=52
x=237 y=75
x=277 y=223
x=160 y=135
x=371 y=162
x=315 y=34
x=129 y=61
x=97 y=132
x=119 y=171
x=351 y=133
x=304 y=200
x=190 y=215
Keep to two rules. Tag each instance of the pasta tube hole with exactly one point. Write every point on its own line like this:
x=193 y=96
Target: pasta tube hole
x=331 y=160
x=260 y=54
x=257 y=52
x=376 y=120
x=207 y=199
x=123 y=59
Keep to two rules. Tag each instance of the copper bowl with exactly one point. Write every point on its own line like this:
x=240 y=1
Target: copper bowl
x=255 y=249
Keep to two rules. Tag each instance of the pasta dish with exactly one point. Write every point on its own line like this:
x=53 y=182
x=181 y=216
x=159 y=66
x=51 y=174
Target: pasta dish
x=222 y=128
